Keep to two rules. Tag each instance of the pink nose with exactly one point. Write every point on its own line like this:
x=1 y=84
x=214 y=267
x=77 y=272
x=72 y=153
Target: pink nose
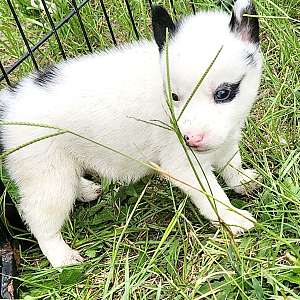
x=194 y=140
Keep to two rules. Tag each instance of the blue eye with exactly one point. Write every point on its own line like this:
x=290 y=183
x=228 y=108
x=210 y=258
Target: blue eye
x=222 y=95
x=226 y=92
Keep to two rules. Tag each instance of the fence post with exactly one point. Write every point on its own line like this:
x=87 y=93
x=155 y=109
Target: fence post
x=8 y=248
x=8 y=268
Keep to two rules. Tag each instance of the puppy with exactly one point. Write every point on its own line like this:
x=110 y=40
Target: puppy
x=101 y=96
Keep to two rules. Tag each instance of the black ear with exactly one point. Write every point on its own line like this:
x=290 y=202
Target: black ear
x=161 y=20
x=247 y=28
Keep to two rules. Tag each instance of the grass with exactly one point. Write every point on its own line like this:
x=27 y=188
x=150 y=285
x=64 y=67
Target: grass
x=146 y=240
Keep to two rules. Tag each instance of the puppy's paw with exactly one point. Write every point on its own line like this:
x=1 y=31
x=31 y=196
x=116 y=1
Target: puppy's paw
x=238 y=221
x=59 y=253
x=89 y=190
x=248 y=182
x=68 y=258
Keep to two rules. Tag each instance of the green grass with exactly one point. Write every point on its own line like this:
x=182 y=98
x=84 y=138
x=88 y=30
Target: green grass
x=146 y=240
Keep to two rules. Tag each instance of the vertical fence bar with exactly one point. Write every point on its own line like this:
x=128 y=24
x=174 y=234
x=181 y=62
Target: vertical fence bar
x=82 y=26
x=108 y=23
x=4 y=74
x=54 y=29
x=132 y=19
x=150 y=3
x=22 y=33
x=193 y=7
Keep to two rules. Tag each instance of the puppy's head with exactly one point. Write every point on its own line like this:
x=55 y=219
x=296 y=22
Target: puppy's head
x=220 y=106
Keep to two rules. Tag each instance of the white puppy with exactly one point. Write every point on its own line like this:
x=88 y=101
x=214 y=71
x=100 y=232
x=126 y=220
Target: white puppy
x=100 y=96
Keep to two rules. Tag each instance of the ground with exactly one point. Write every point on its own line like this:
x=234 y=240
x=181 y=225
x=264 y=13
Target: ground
x=147 y=241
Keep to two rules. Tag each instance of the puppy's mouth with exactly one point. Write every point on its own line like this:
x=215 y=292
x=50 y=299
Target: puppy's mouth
x=201 y=150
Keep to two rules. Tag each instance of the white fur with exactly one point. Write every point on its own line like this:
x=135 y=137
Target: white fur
x=240 y=6
x=88 y=190
x=96 y=96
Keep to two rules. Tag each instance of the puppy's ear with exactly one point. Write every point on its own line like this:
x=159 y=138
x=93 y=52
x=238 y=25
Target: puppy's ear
x=161 y=20
x=247 y=28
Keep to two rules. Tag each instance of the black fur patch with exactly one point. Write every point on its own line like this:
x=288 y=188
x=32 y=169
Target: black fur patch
x=161 y=20
x=248 y=27
x=14 y=88
x=46 y=76
x=249 y=58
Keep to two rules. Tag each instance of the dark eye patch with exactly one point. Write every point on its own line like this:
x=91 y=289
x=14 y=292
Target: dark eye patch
x=226 y=92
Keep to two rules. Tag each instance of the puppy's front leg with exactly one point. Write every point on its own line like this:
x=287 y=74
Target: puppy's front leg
x=228 y=161
x=213 y=203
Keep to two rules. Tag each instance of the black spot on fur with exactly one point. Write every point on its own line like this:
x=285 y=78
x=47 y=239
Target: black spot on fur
x=161 y=20
x=249 y=58
x=247 y=27
x=46 y=76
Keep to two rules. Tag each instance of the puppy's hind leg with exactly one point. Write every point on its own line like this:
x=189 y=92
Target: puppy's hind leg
x=48 y=194
x=88 y=190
